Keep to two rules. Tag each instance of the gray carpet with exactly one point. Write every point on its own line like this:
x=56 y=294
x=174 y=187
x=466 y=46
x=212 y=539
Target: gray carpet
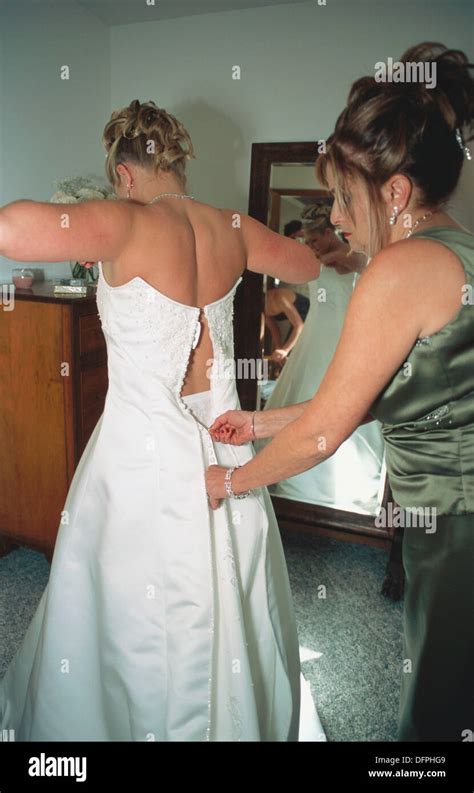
x=356 y=631
x=352 y=636
x=23 y=577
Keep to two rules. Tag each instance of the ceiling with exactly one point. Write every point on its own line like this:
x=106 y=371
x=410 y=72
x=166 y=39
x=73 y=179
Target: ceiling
x=124 y=12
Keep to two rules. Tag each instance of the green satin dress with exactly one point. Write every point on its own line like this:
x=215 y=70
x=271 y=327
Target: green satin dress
x=427 y=412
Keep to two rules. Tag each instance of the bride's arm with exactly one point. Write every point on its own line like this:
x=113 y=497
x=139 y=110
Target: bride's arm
x=31 y=231
x=273 y=254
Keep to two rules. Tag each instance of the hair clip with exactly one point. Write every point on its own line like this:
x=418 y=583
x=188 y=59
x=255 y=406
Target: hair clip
x=462 y=145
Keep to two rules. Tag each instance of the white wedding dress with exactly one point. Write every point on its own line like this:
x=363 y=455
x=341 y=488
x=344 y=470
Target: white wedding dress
x=353 y=478
x=162 y=619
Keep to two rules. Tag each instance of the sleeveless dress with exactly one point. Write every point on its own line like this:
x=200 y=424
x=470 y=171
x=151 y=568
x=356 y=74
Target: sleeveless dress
x=352 y=479
x=162 y=619
x=427 y=411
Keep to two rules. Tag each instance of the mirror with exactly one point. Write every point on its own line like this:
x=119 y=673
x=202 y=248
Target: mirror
x=295 y=329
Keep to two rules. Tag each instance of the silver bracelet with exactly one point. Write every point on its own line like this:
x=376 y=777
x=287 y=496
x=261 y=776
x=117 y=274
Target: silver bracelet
x=253 y=426
x=228 y=484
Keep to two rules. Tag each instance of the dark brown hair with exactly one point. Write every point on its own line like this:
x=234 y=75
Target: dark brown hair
x=395 y=127
x=148 y=136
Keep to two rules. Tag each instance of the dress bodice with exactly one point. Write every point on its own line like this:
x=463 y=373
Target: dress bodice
x=158 y=334
x=427 y=408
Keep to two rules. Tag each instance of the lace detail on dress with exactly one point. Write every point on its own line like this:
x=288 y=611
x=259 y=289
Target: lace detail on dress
x=103 y=306
x=221 y=326
x=221 y=330
x=169 y=333
x=163 y=331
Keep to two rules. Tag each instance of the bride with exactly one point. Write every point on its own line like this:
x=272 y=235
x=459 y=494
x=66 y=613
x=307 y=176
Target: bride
x=162 y=619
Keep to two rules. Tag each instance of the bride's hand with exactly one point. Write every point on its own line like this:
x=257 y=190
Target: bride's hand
x=344 y=261
x=215 y=487
x=234 y=427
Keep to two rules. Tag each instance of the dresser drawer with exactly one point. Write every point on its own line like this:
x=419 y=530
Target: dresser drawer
x=91 y=338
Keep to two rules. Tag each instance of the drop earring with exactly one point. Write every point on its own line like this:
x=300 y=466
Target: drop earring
x=393 y=216
x=129 y=188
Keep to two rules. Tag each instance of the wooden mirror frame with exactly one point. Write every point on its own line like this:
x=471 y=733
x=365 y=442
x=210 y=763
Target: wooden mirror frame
x=336 y=523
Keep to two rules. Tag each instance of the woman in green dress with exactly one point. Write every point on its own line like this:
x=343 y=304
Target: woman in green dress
x=406 y=358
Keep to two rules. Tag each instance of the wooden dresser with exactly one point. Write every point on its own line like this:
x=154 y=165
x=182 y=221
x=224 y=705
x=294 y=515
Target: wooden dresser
x=53 y=382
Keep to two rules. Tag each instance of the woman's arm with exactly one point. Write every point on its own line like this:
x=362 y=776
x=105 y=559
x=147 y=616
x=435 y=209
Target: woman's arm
x=268 y=423
x=237 y=427
x=31 y=231
x=294 y=318
x=272 y=326
x=383 y=321
x=276 y=255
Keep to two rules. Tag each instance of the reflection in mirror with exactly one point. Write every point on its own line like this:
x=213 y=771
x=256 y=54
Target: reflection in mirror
x=300 y=329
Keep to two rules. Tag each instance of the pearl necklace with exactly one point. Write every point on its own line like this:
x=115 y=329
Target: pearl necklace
x=420 y=220
x=169 y=195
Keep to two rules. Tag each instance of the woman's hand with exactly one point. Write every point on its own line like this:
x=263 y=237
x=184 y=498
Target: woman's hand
x=233 y=427
x=279 y=356
x=215 y=487
x=344 y=261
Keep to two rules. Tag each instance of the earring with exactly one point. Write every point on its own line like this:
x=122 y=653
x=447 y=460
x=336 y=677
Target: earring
x=465 y=149
x=129 y=188
x=393 y=216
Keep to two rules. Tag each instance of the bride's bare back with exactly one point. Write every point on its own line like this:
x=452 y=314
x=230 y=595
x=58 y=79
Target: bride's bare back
x=194 y=254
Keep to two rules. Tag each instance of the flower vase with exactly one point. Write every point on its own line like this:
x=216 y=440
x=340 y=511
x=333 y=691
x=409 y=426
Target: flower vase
x=88 y=274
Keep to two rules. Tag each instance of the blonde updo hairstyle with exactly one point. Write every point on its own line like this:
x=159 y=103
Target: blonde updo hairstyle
x=316 y=218
x=149 y=136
